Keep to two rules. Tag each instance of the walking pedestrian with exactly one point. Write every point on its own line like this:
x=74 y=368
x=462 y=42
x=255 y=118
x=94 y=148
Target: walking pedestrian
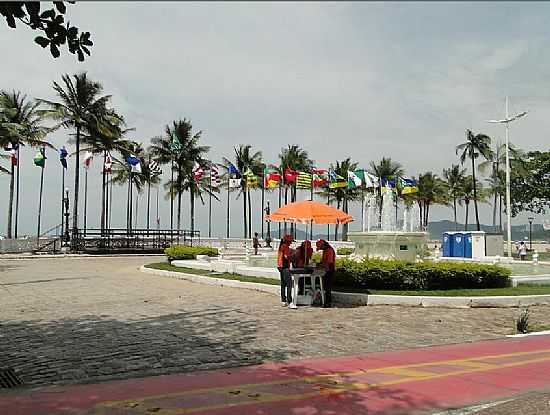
x=255 y=243
x=283 y=265
x=522 y=251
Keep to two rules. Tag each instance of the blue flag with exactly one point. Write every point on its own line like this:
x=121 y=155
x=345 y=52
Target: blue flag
x=233 y=169
x=63 y=156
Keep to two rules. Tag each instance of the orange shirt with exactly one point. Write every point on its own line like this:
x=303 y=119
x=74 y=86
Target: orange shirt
x=283 y=258
x=328 y=260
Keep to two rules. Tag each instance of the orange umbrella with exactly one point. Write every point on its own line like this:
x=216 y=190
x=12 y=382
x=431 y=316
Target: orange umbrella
x=309 y=211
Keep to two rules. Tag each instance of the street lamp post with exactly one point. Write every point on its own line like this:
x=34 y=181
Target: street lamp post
x=66 y=206
x=530 y=233
x=507 y=121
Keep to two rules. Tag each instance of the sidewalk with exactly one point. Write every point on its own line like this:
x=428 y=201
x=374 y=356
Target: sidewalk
x=411 y=381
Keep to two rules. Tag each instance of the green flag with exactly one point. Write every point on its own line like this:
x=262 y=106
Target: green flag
x=175 y=144
x=40 y=159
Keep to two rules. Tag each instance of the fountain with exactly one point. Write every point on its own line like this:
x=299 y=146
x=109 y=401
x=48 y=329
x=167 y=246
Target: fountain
x=387 y=242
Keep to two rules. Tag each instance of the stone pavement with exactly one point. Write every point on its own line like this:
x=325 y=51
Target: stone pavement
x=79 y=320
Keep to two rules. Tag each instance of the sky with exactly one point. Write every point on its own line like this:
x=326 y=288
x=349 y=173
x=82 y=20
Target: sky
x=402 y=80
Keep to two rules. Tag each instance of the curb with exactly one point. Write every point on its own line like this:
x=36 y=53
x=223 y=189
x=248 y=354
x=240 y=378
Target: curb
x=221 y=282
x=357 y=299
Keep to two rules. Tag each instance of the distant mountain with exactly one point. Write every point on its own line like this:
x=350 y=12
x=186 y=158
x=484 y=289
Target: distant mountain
x=519 y=232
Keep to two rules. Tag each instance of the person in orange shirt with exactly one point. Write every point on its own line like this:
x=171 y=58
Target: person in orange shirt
x=328 y=262
x=303 y=255
x=283 y=265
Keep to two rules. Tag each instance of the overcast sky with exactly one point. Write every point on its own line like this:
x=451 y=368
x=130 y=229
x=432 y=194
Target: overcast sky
x=364 y=80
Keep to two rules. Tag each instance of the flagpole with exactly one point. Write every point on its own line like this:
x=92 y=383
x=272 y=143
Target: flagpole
x=210 y=204
x=363 y=209
x=280 y=181
x=157 y=216
x=85 y=196
x=263 y=203
x=228 y=183
x=110 y=203
x=40 y=198
x=171 y=196
x=103 y=193
x=62 y=196
x=17 y=195
x=328 y=224
x=148 y=194
x=106 y=204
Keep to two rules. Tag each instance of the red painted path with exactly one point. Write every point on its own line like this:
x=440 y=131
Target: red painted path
x=408 y=382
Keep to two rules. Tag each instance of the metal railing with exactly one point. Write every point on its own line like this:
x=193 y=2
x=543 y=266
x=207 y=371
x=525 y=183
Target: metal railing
x=139 y=240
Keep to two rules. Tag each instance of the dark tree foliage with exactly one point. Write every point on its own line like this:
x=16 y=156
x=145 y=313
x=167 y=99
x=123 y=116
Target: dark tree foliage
x=530 y=189
x=51 y=22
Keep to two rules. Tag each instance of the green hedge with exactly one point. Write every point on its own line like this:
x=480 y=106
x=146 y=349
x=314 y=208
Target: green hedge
x=400 y=275
x=188 y=252
x=344 y=251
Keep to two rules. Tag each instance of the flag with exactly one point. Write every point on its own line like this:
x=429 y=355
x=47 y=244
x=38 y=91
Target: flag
x=320 y=177
x=251 y=178
x=336 y=181
x=290 y=175
x=408 y=186
x=353 y=180
x=304 y=180
x=233 y=170
x=272 y=178
x=134 y=163
x=88 y=159
x=234 y=183
x=108 y=165
x=370 y=180
x=154 y=168
x=175 y=144
x=63 y=156
x=40 y=158
x=13 y=157
x=197 y=172
x=388 y=182
x=214 y=175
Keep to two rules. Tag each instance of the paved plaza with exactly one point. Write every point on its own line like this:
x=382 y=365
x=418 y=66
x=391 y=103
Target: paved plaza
x=82 y=320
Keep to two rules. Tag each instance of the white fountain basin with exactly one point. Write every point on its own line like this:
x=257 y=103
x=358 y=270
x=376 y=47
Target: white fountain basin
x=389 y=245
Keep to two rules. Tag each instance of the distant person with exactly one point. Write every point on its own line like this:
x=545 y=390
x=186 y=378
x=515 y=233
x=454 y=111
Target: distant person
x=522 y=251
x=328 y=263
x=283 y=265
x=255 y=243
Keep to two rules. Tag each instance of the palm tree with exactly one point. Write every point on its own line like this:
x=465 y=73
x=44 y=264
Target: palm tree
x=245 y=159
x=468 y=195
x=476 y=145
x=431 y=190
x=454 y=177
x=21 y=125
x=495 y=165
x=183 y=159
x=82 y=108
x=344 y=195
x=386 y=169
x=295 y=158
x=104 y=141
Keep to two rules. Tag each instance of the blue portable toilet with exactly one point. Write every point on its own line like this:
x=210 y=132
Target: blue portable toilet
x=458 y=245
x=467 y=245
x=448 y=244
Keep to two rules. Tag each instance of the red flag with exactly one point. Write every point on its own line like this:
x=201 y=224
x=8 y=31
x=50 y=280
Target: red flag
x=13 y=157
x=320 y=177
x=290 y=175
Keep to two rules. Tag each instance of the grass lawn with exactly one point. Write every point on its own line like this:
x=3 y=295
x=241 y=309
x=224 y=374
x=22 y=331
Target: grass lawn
x=522 y=289
x=224 y=275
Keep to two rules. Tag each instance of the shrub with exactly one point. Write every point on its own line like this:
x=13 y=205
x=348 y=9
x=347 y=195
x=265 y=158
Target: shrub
x=188 y=252
x=380 y=274
x=344 y=251
x=522 y=323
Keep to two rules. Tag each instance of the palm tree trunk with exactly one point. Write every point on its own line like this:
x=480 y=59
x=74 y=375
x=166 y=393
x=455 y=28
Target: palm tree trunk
x=495 y=175
x=280 y=193
x=245 y=228
x=228 y=200
x=475 y=192
x=148 y=203
x=421 y=213
x=286 y=202
x=466 y=219
x=17 y=193
x=76 y=182
x=179 y=180
x=103 y=209
x=500 y=212
x=345 y=225
x=454 y=211
x=426 y=215
x=171 y=195
x=10 y=205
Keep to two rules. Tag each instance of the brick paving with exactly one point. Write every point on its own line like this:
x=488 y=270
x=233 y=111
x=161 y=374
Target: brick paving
x=78 y=320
